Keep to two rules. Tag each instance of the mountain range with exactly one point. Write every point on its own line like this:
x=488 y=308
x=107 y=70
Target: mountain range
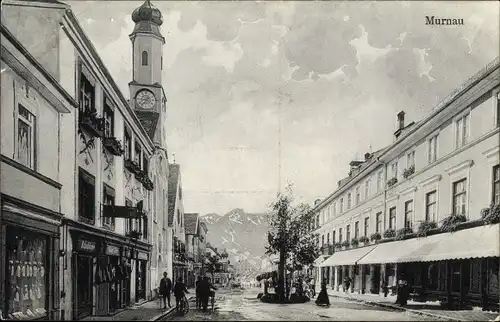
x=241 y=234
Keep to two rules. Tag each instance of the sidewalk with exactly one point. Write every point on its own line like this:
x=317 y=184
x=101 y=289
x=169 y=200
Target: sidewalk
x=147 y=311
x=432 y=309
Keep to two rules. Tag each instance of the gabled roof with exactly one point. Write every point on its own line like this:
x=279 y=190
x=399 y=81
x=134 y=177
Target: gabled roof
x=149 y=121
x=173 y=179
x=191 y=223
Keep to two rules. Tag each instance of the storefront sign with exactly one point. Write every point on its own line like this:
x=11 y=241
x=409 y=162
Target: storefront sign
x=112 y=250
x=142 y=256
x=86 y=245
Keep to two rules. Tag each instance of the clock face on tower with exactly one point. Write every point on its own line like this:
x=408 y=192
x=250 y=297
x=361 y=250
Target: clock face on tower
x=145 y=99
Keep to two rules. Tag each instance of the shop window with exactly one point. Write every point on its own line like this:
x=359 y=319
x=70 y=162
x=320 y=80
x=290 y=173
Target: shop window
x=433 y=277
x=27 y=275
x=493 y=277
x=455 y=276
x=459 y=197
x=128 y=146
x=108 y=119
x=496 y=185
x=86 y=197
x=442 y=276
x=25 y=147
x=392 y=218
x=475 y=276
x=430 y=205
x=109 y=200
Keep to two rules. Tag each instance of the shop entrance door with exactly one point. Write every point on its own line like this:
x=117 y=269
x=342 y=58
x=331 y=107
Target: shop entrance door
x=84 y=286
x=375 y=289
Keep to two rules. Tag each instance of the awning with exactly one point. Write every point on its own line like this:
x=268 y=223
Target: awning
x=475 y=242
x=348 y=257
x=320 y=260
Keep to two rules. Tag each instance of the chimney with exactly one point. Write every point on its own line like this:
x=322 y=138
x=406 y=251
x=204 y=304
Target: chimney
x=401 y=120
x=317 y=201
x=367 y=156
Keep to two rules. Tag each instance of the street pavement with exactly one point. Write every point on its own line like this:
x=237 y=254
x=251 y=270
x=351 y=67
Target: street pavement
x=237 y=305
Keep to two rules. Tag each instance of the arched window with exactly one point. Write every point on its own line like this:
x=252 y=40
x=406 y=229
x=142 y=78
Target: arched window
x=144 y=58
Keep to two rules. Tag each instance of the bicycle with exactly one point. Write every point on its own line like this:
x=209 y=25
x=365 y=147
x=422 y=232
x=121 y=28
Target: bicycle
x=184 y=306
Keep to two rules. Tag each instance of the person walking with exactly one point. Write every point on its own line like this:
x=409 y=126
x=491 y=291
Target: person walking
x=313 y=287
x=402 y=291
x=198 y=297
x=165 y=289
x=347 y=283
x=323 y=299
x=180 y=290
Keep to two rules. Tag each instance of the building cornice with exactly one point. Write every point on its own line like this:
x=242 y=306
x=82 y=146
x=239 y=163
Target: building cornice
x=459 y=167
x=408 y=191
x=430 y=180
x=23 y=63
x=393 y=198
x=89 y=53
x=491 y=153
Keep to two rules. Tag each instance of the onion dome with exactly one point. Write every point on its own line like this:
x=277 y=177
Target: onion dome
x=148 y=13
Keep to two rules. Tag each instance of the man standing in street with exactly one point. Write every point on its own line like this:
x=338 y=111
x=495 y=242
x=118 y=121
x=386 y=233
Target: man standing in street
x=165 y=290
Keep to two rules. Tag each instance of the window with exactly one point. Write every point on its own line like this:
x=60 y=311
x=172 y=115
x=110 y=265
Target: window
x=317 y=221
x=498 y=109
x=108 y=120
x=380 y=183
x=462 y=131
x=349 y=200
x=433 y=149
x=334 y=209
x=496 y=184
x=145 y=165
x=367 y=226
x=137 y=157
x=410 y=159
x=86 y=197
x=128 y=146
x=459 y=197
x=180 y=193
x=333 y=237
x=430 y=206
x=178 y=216
x=367 y=189
x=394 y=169
x=341 y=205
x=358 y=195
x=356 y=229
x=322 y=240
x=25 y=147
x=408 y=213
x=144 y=58
x=392 y=218
x=340 y=235
x=328 y=238
x=27 y=267
x=108 y=199
x=378 y=226
x=128 y=222
x=87 y=94
x=348 y=232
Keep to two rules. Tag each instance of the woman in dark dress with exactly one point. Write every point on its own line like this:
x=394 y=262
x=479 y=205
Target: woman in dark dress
x=323 y=299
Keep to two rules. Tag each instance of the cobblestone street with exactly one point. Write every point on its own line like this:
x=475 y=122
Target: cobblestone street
x=244 y=305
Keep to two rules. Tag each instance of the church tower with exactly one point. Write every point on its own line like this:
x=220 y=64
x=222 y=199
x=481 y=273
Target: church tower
x=147 y=96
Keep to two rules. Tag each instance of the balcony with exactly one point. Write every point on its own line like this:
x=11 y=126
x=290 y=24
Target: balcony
x=92 y=124
x=113 y=145
x=132 y=166
x=134 y=234
x=143 y=178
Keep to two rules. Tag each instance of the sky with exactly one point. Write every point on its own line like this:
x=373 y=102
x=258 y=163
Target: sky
x=265 y=94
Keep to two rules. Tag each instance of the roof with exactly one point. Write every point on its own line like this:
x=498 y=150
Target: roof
x=149 y=121
x=191 y=223
x=173 y=179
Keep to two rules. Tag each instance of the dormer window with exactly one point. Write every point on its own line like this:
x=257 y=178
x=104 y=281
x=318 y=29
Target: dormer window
x=144 y=58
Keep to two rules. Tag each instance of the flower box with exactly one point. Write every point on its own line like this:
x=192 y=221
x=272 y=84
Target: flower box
x=491 y=215
x=425 y=227
x=408 y=172
x=134 y=234
x=132 y=166
x=113 y=145
x=451 y=222
x=392 y=182
x=92 y=123
x=403 y=232
x=354 y=242
x=364 y=240
x=375 y=237
x=338 y=246
x=346 y=243
x=389 y=233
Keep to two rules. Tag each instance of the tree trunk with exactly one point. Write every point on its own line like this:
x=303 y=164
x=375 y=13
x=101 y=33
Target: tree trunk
x=281 y=278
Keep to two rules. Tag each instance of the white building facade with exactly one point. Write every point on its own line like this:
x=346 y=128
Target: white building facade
x=393 y=214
